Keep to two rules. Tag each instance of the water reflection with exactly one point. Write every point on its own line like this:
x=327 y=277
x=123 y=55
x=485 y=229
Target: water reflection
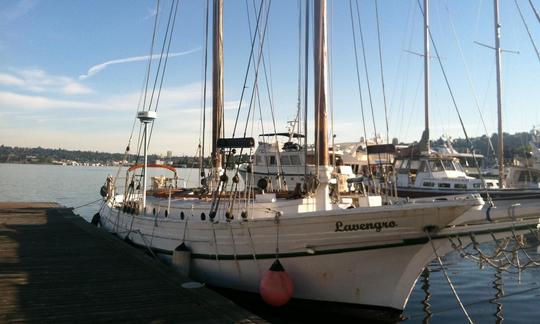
x=499 y=293
x=426 y=307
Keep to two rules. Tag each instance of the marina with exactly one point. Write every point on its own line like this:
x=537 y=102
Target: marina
x=433 y=301
x=302 y=192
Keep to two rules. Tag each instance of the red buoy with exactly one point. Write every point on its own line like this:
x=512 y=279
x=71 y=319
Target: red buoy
x=276 y=287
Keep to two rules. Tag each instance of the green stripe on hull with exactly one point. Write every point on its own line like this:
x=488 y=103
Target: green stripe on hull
x=406 y=242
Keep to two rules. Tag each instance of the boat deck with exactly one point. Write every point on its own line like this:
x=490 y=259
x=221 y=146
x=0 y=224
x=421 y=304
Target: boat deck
x=56 y=267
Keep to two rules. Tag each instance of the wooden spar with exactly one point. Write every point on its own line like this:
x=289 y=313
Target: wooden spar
x=162 y=166
x=500 y=146
x=217 y=81
x=426 y=67
x=320 y=71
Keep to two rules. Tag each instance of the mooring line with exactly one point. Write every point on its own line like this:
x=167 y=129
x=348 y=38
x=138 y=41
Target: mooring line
x=448 y=279
x=90 y=203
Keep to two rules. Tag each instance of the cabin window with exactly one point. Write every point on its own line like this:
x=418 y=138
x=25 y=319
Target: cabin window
x=523 y=176
x=460 y=186
x=285 y=160
x=444 y=185
x=429 y=184
x=258 y=160
x=423 y=167
x=415 y=164
x=476 y=185
x=458 y=166
x=436 y=166
x=271 y=160
x=295 y=160
x=530 y=175
x=405 y=164
x=448 y=165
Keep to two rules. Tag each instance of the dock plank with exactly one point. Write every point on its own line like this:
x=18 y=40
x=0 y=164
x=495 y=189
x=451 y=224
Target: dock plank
x=55 y=267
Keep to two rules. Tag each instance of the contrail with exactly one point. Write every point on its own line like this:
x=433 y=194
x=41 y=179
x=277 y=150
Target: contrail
x=100 y=67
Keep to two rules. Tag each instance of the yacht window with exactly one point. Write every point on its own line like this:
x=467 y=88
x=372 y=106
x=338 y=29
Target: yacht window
x=460 y=186
x=258 y=160
x=476 y=185
x=285 y=160
x=523 y=176
x=444 y=185
x=415 y=164
x=271 y=160
x=458 y=166
x=423 y=167
x=429 y=184
x=436 y=166
x=405 y=164
x=448 y=165
x=295 y=160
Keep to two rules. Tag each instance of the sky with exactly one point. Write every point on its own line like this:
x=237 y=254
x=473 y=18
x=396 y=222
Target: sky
x=72 y=71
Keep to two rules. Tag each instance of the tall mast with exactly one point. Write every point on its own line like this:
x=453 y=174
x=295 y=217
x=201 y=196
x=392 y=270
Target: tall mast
x=426 y=68
x=320 y=71
x=322 y=194
x=217 y=81
x=500 y=148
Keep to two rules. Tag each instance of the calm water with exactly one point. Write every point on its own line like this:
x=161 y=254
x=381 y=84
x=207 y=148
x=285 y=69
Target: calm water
x=489 y=296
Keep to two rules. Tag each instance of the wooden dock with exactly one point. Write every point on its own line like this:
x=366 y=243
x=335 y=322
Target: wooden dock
x=56 y=267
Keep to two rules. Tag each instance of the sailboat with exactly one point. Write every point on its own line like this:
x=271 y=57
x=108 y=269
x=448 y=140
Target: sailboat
x=422 y=172
x=353 y=252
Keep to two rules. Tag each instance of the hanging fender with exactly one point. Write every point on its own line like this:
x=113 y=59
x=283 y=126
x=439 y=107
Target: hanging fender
x=96 y=220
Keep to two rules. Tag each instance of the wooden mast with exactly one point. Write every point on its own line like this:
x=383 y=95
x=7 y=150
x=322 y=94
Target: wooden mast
x=322 y=194
x=500 y=146
x=426 y=69
x=217 y=82
x=320 y=71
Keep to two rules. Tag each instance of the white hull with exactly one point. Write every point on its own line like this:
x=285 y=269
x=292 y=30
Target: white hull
x=375 y=262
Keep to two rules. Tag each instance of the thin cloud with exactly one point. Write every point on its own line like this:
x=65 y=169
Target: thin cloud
x=36 y=80
x=171 y=99
x=102 y=66
x=17 y=101
x=10 y=80
x=151 y=13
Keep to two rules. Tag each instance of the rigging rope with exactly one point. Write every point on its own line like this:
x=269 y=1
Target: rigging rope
x=269 y=89
x=149 y=67
x=216 y=196
x=490 y=201
x=469 y=79
x=203 y=122
x=448 y=279
x=166 y=55
x=527 y=29
x=535 y=11
x=142 y=95
x=358 y=80
x=382 y=71
x=90 y=203
x=366 y=72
